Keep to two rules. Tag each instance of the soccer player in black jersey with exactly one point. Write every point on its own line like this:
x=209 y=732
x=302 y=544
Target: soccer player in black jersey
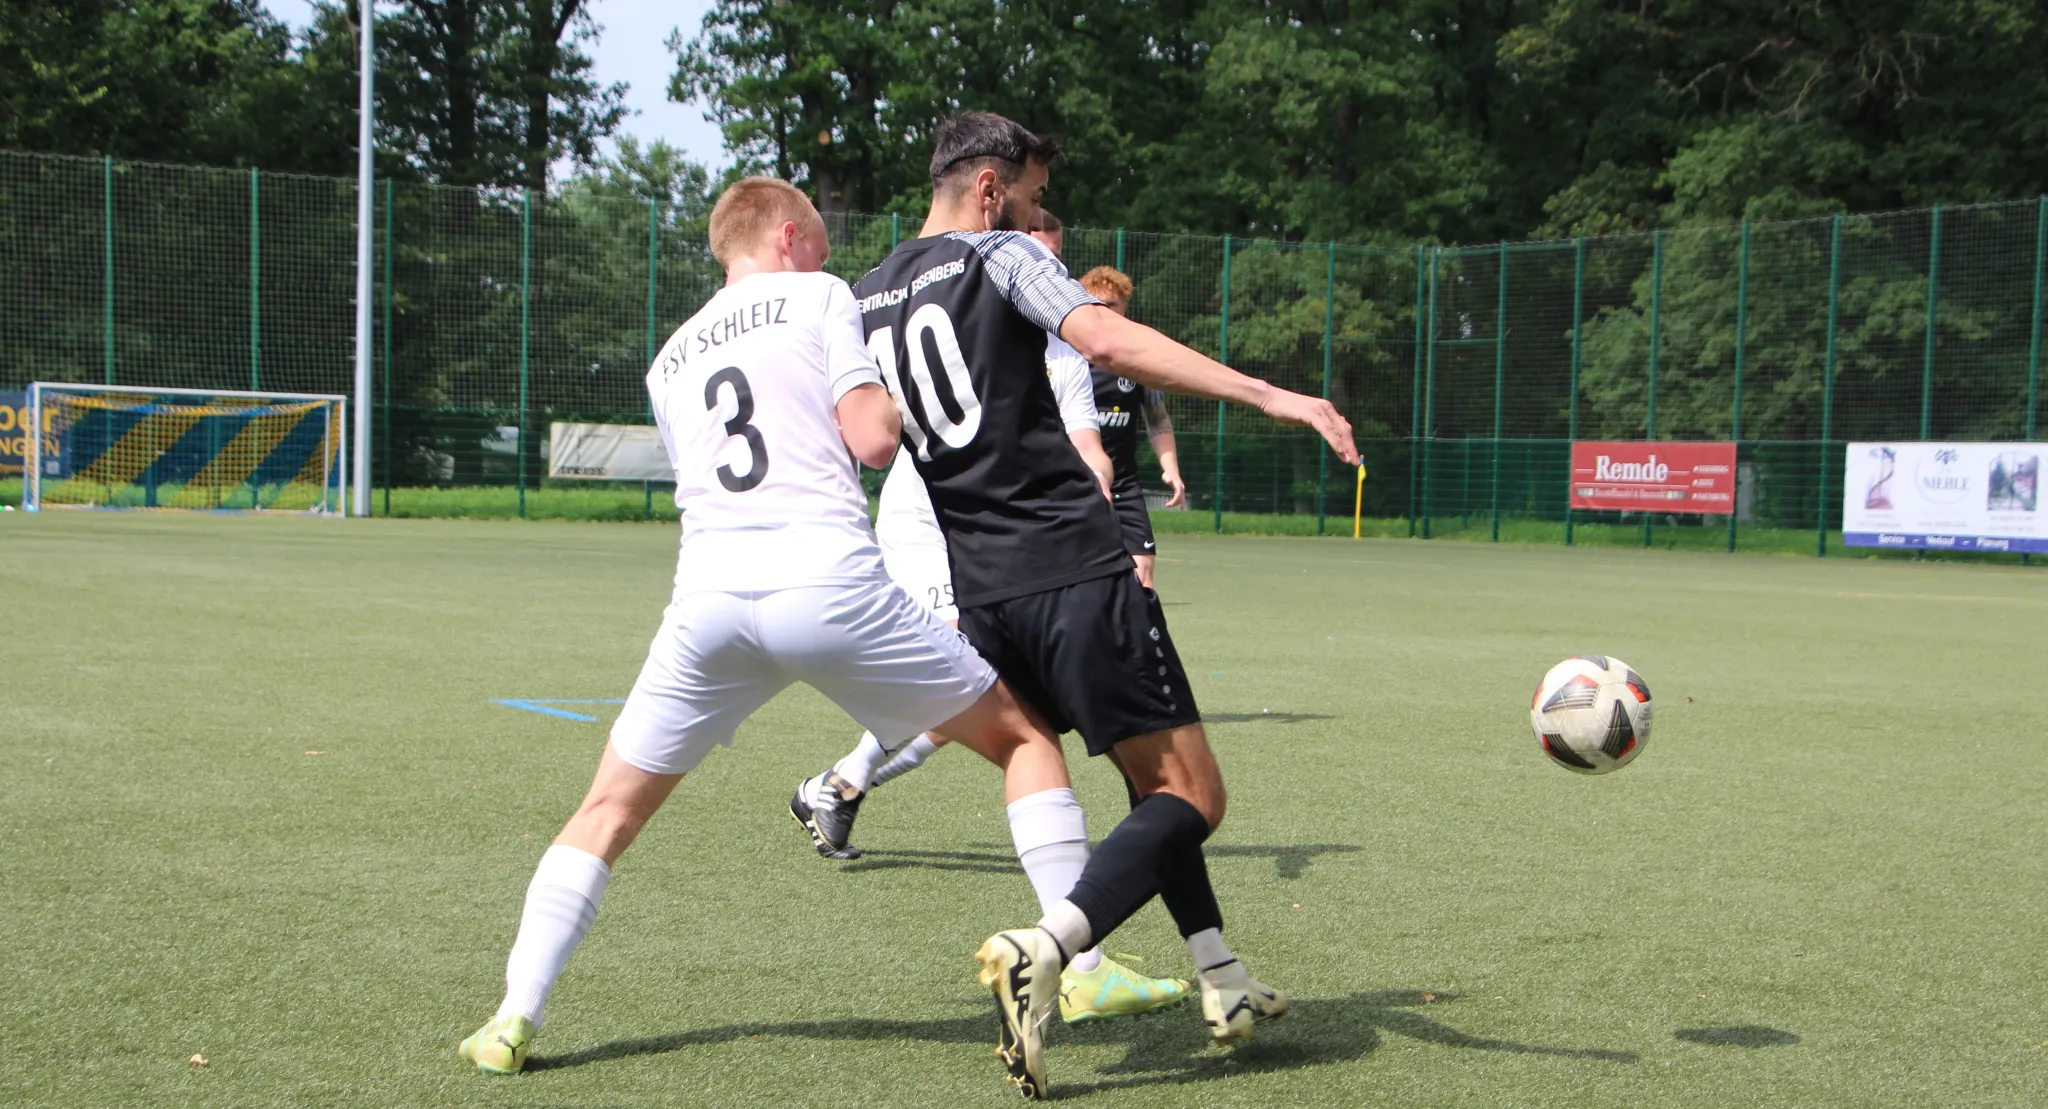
x=1119 y=405
x=957 y=318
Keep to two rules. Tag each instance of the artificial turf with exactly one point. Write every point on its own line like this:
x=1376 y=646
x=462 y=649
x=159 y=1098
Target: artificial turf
x=260 y=806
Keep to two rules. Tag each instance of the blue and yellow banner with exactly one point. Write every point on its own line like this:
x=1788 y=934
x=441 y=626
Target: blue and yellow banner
x=14 y=434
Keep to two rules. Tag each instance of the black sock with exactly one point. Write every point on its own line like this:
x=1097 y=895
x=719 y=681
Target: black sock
x=1126 y=868
x=1185 y=891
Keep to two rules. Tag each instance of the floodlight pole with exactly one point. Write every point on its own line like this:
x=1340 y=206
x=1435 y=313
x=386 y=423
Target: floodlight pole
x=359 y=478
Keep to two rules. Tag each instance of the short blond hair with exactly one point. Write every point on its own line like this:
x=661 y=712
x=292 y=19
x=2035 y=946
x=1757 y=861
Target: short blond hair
x=750 y=207
x=1107 y=279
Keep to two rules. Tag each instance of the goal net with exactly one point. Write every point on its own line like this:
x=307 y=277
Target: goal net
x=106 y=446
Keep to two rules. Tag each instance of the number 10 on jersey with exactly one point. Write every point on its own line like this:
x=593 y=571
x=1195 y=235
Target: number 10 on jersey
x=932 y=405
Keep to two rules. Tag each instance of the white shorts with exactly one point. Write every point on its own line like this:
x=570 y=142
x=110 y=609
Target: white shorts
x=874 y=651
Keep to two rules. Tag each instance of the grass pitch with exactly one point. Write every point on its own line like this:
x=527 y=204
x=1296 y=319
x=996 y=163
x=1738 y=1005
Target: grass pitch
x=260 y=806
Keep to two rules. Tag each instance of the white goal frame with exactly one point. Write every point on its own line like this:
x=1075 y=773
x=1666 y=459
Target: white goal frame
x=32 y=455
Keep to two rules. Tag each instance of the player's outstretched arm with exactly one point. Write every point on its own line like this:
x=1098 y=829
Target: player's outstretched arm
x=870 y=424
x=1135 y=351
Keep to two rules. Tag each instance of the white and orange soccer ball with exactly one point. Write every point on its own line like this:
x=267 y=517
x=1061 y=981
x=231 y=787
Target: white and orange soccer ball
x=1591 y=714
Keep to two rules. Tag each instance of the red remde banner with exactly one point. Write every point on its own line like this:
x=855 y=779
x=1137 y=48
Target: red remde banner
x=1654 y=477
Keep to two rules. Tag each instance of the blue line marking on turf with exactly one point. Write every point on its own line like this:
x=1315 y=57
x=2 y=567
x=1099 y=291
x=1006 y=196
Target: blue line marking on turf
x=540 y=705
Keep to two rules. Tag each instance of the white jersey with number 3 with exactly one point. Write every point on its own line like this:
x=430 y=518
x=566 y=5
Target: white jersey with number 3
x=745 y=396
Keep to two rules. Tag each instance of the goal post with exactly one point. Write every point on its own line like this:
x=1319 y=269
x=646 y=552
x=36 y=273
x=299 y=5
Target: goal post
x=194 y=450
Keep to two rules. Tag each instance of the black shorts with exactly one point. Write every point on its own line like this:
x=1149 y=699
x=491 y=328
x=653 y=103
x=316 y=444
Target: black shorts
x=1092 y=657
x=1134 y=519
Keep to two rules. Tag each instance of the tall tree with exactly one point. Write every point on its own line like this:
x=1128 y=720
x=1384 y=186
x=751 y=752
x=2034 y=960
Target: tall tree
x=491 y=92
x=807 y=91
x=167 y=80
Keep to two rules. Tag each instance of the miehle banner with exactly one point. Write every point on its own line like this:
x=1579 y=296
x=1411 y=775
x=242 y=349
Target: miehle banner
x=1944 y=496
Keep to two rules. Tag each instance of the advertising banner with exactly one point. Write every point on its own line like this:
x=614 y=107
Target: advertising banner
x=1654 y=477
x=607 y=452
x=1944 y=496
x=14 y=433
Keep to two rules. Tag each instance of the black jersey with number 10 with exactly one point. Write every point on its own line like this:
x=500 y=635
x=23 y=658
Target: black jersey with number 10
x=958 y=324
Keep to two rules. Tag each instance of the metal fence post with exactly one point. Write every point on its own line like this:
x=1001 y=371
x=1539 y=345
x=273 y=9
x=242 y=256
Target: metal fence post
x=1329 y=319
x=1222 y=410
x=1572 y=421
x=2034 y=342
x=1428 y=430
x=1120 y=249
x=255 y=285
x=390 y=291
x=1741 y=341
x=1933 y=297
x=525 y=328
x=1415 y=398
x=1500 y=371
x=653 y=272
x=107 y=264
x=653 y=283
x=1656 y=334
x=895 y=229
x=1827 y=382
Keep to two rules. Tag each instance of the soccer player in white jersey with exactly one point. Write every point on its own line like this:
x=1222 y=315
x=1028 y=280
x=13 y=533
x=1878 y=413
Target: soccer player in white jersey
x=764 y=400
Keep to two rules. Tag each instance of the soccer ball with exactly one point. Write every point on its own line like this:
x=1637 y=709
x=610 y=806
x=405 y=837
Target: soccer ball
x=1591 y=714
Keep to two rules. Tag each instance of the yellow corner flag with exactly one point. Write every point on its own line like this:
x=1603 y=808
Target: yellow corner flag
x=1358 y=502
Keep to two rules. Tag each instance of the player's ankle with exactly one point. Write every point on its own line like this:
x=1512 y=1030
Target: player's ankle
x=1230 y=976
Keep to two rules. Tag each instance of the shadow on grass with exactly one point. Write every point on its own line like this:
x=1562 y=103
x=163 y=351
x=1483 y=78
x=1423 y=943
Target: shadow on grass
x=872 y=859
x=1166 y=1051
x=1263 y=717
x=1737 y=1035
x=1288 y=861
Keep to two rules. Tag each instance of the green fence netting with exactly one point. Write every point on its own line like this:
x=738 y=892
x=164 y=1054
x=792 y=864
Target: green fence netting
x=1467 y=371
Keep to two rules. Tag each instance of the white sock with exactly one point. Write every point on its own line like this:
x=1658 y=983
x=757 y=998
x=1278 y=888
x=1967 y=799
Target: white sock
x=910 y=758
x=561 y=903
x=1068 y=926
x=1051 y=834
x=1214 y=960
x=859 y=765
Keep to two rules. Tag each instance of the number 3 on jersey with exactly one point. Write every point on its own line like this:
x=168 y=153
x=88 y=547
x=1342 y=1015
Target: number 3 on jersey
x=743 y=410
x=950 y=411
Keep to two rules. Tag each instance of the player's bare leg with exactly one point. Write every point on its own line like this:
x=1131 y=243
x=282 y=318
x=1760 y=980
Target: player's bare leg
x=620 y=801
x=561 y=904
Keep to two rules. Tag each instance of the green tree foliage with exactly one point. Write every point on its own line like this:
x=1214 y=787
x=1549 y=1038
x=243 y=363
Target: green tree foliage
x=1452 y=119
x=207 y=81
x=490 y=92
x=472 y=92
